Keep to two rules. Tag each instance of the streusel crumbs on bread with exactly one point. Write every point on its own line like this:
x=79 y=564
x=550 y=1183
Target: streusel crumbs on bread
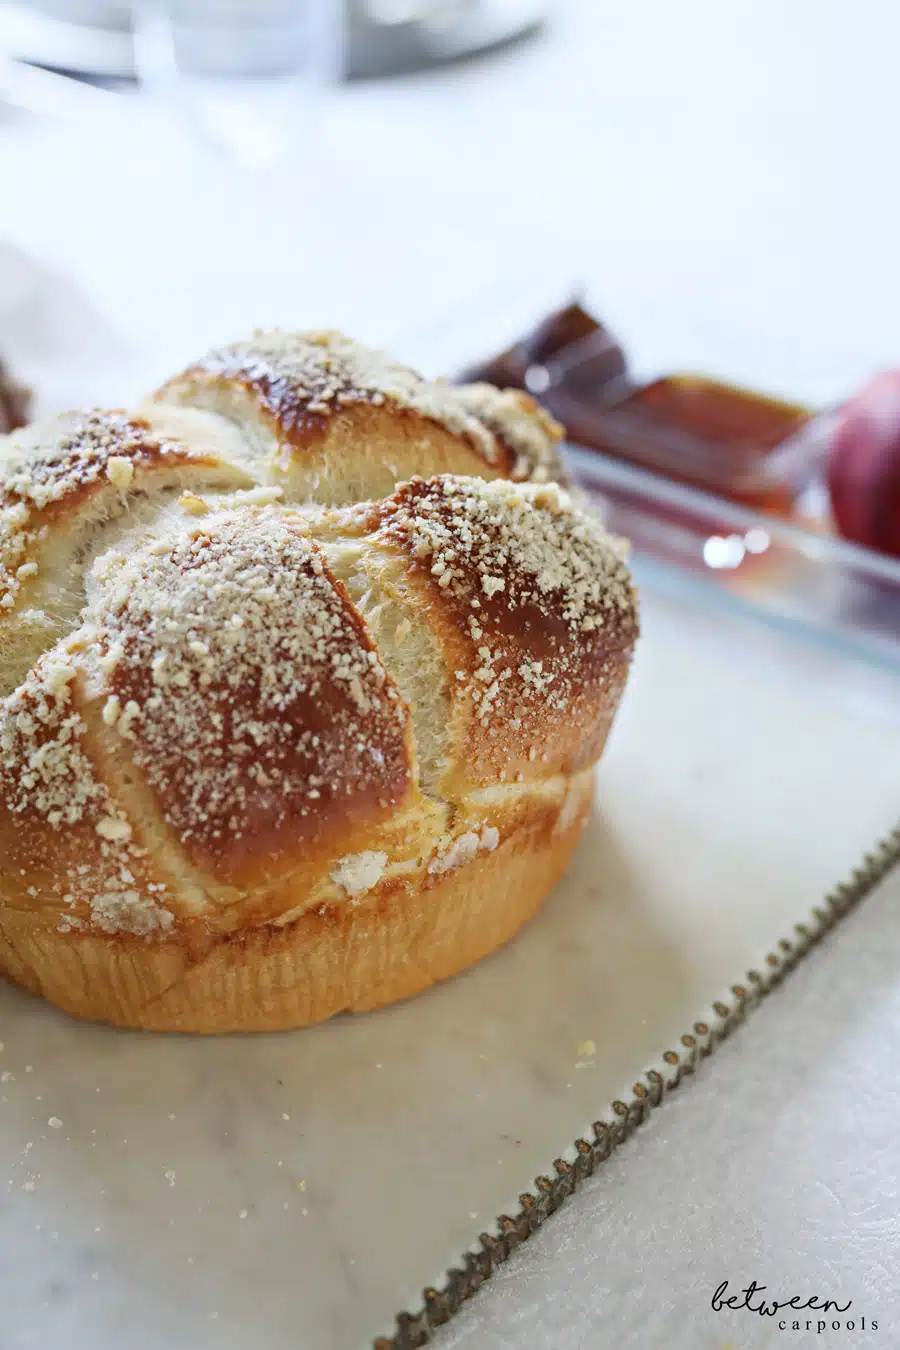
x=235 y=640
x=301 y=690
x=319 y=372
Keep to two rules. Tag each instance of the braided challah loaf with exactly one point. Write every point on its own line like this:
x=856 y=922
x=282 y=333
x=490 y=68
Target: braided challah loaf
x=304 y=671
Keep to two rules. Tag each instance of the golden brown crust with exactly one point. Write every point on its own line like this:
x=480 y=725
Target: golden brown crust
x=325 y=415
x=260 y=714
x=72 y=856
x=66 y=487
x=51 y=472
x=263 y=759
x=344 y=958
x=535 y=612
x=526 y=431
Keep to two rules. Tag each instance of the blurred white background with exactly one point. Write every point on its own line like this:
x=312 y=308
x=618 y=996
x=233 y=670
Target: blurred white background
x=727 y=170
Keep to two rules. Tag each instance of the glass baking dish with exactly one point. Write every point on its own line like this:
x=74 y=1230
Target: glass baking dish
x=684 y=541
x=696 y=548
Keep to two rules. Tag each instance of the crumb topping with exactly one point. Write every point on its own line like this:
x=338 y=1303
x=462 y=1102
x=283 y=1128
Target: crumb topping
x=360 y=872
x=121 y=909
x=532 y=580
x=464 y=848
x=52 y=461
x=526 y=540
x=244 y=679
x=232 y=665
x=42 y=763
x=48 y=462
x=120 y=471
x=44 y=771
x=523 y=425
x=321 y=372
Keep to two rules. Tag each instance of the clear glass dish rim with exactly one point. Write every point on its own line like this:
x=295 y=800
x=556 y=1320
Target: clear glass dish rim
x=822 y=548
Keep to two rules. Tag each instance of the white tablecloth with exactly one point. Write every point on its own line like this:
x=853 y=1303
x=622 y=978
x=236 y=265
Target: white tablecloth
x=724 y=178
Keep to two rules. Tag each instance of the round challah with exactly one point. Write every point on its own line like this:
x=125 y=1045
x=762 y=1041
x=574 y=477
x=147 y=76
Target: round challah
x=304 y=670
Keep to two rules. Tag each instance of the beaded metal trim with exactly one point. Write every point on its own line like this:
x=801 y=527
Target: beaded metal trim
x=474 y=1268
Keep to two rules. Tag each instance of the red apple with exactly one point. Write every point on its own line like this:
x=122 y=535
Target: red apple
x=864 y=466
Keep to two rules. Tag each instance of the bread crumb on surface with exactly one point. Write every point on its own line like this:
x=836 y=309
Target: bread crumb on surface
x=120 y=471
x=113 y=827
x=464 y=848
x=192 y=504
x=359 y=872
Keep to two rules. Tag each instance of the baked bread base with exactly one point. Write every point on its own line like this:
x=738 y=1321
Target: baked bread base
x=397 y=941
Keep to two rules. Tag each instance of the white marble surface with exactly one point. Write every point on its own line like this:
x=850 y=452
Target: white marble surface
x=723 y=177
x=778 y=1164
